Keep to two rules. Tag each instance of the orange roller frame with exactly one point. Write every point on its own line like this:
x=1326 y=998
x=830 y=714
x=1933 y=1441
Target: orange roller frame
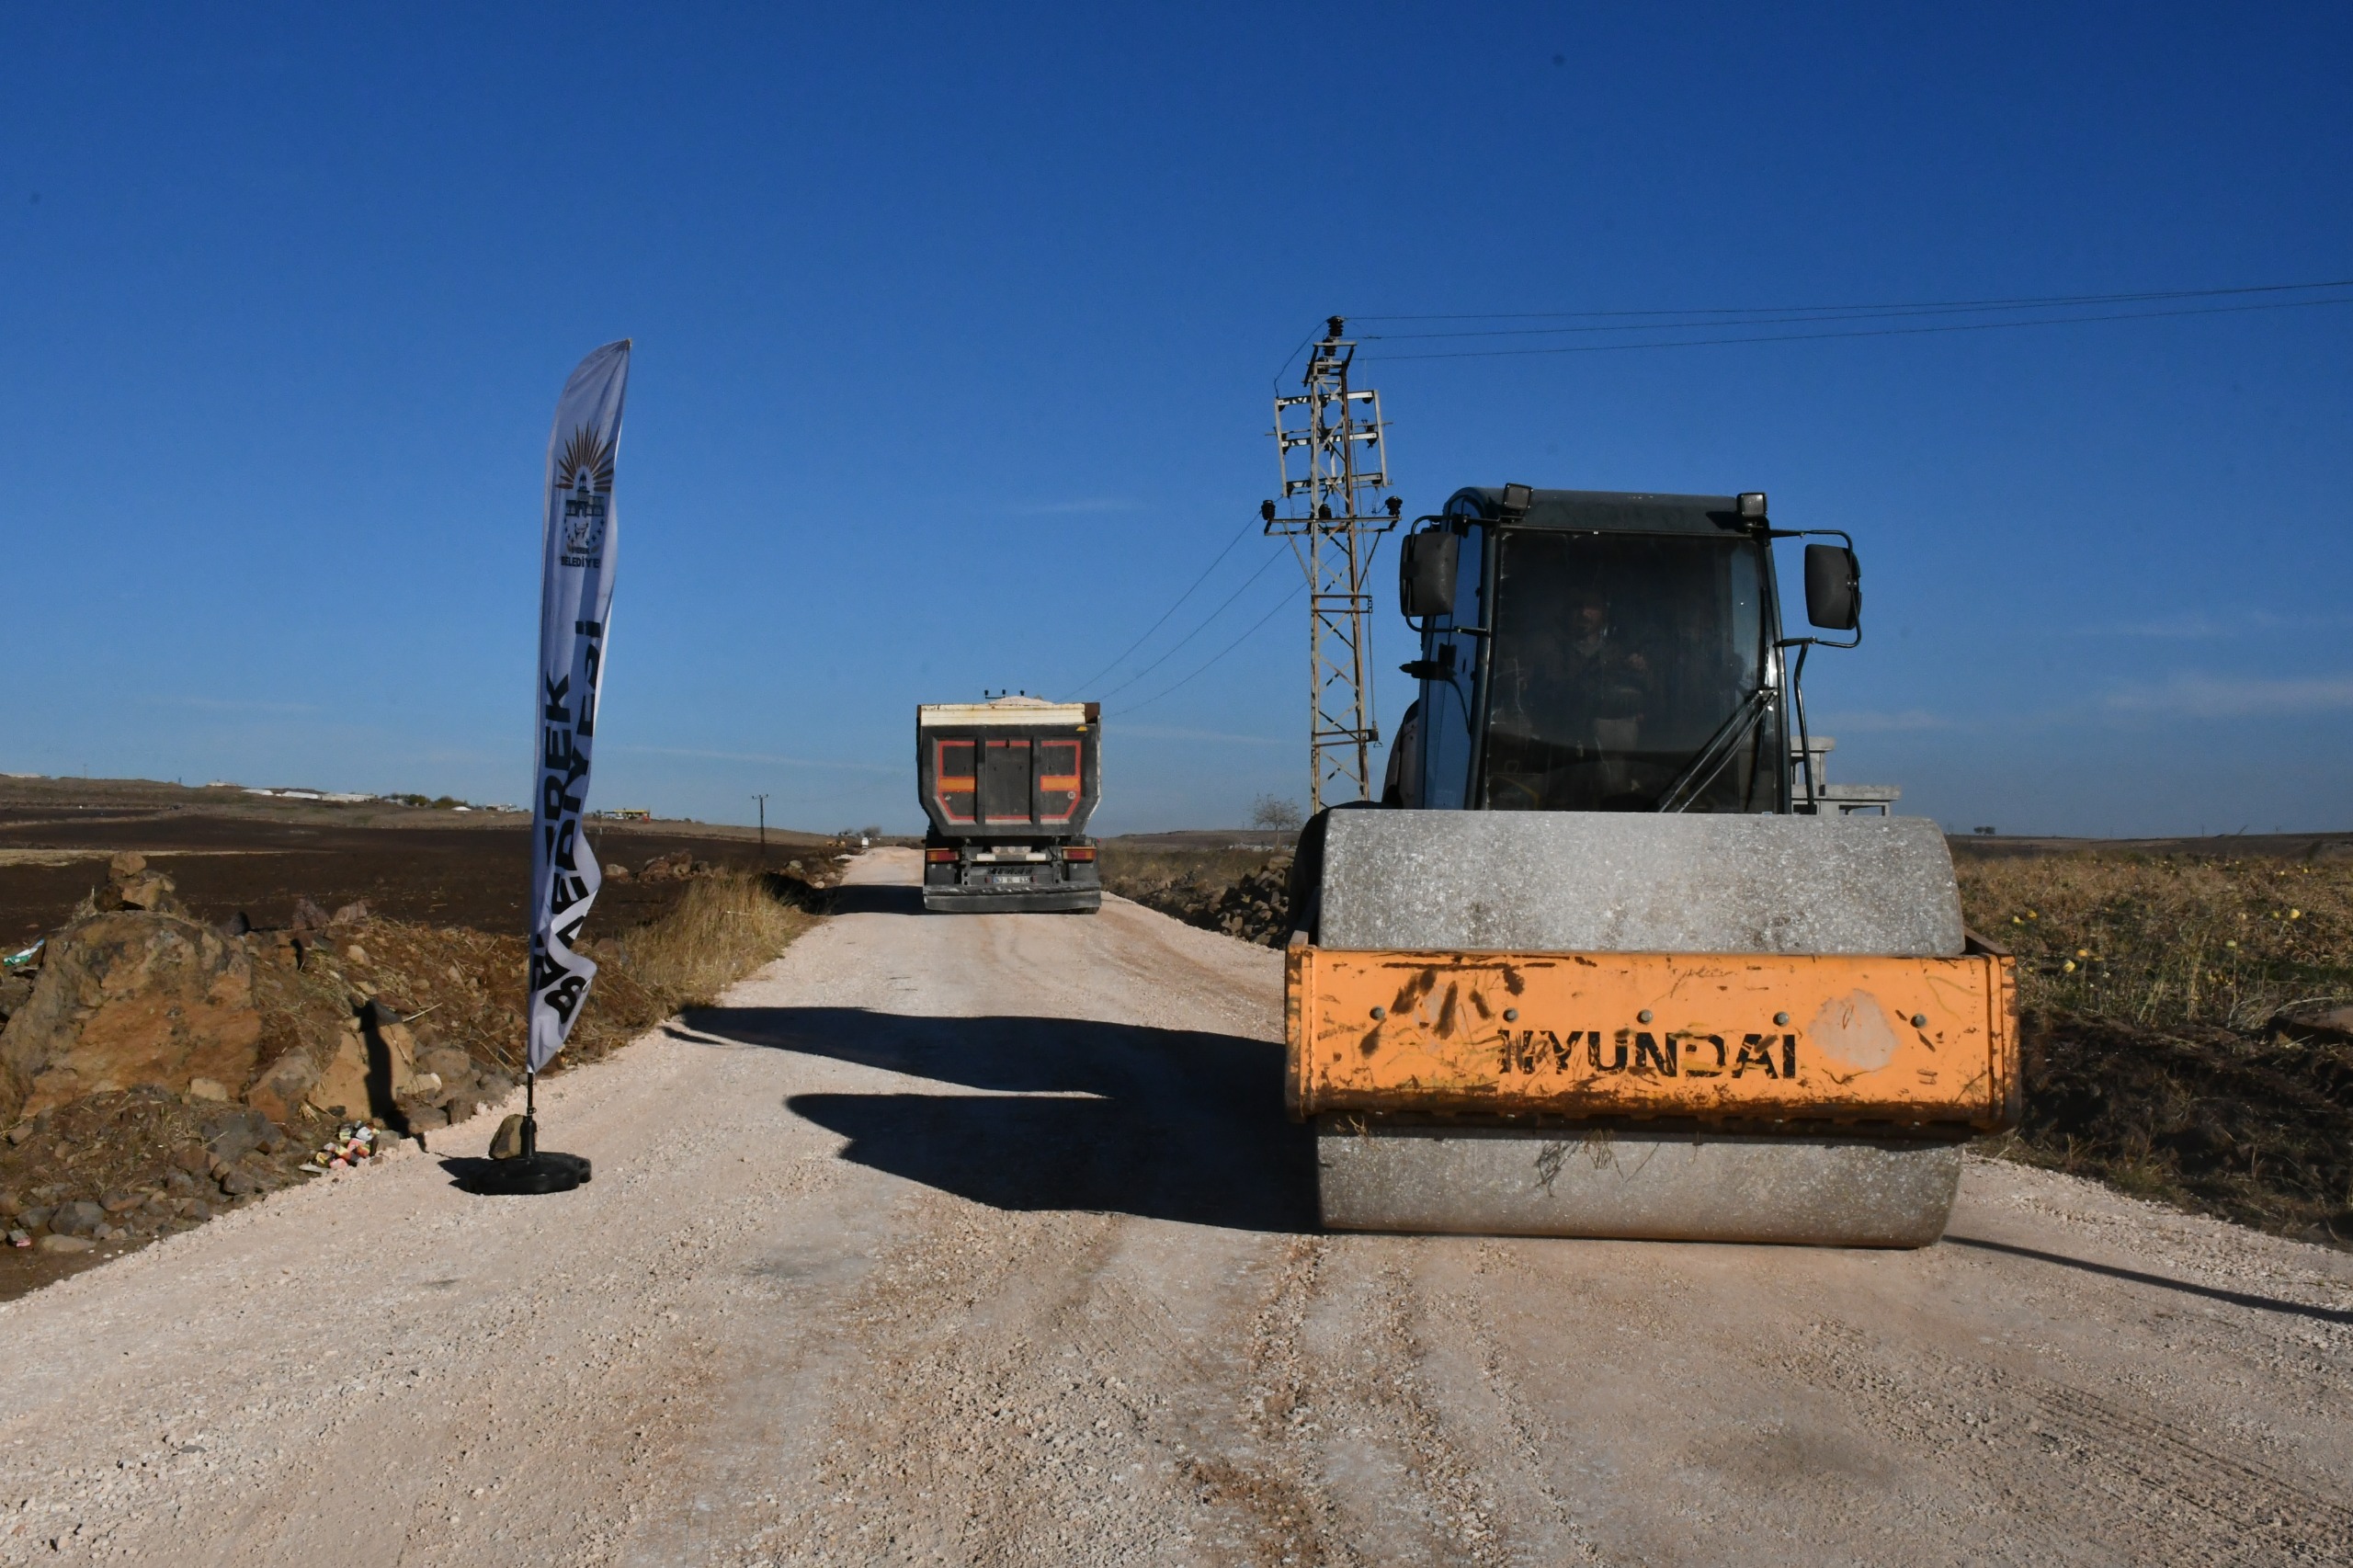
x=1918 y=1041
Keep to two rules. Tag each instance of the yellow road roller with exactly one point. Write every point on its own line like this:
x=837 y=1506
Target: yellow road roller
x=1605 y=960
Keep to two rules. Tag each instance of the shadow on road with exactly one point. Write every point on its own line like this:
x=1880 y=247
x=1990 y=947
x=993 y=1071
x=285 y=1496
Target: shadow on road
x=873 y=898
x=1167 y=1124
x=2212 y=1293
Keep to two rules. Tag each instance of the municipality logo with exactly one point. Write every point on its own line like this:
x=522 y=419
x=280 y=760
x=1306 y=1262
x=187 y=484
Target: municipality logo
x=583 y=477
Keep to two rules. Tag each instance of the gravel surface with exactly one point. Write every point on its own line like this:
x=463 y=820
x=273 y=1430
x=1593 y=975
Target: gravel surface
x=980 y=1239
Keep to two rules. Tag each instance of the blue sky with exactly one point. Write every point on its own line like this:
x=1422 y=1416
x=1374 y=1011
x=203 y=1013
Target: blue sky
x=956 y=332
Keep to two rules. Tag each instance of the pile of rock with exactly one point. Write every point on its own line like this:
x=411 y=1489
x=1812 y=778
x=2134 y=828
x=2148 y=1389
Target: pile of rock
x=131 y=885
x=447 y=1087
x=134 y=993
x=156 y=1068
x=230 y=1156
x=675 y=866
x=1255 y=906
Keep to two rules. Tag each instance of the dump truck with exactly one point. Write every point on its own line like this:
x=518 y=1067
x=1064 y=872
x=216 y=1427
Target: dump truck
x=1008 y=785
x=1604 y=962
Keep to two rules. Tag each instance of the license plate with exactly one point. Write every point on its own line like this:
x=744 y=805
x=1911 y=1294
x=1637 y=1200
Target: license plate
x=1022 y=876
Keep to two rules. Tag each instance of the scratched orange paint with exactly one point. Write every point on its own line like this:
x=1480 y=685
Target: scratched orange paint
x=1726 y=1037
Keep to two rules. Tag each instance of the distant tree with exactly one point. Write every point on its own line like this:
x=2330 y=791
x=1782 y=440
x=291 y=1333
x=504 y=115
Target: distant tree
x=1274 y=813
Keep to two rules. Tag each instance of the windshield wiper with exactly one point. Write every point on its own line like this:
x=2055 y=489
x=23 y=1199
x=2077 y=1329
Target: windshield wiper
x=1702 y=770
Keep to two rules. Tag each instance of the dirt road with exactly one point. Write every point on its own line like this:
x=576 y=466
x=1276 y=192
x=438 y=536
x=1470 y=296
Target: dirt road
x=980 y=1239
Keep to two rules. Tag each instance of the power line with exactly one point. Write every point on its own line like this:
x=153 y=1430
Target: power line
x=1866 y=332
x=1894 y=312
x=1172 y=609
x=1197 y=630
x=1284 y=368
x=2020 y=302
x=1281 y=605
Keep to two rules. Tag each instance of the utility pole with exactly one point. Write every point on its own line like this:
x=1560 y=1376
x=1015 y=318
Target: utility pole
x=1332 y=448
x=763 y=799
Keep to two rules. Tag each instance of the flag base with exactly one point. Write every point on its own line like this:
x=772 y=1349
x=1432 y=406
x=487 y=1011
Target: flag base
x=542 y=1170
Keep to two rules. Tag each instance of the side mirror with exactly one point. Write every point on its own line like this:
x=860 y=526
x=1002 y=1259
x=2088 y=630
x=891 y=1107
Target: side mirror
x=1426 y=572
x=1833 y=587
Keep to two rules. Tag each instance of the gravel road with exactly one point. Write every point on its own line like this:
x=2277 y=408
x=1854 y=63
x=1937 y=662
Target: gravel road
x=981 y=1239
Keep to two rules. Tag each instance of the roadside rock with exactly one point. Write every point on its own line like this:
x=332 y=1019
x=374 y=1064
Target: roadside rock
x=126 y=999
x=352 y=913
x=452 y=1066
x=15 y=990
x=54 y=1243
x=241 y=1133
x=673 y=866
x=131 y=885
x=507 y=1143
x=283 y=1085
x=341 y=1088
x=309 y=916
x=391 y=1058
x=76 y=1219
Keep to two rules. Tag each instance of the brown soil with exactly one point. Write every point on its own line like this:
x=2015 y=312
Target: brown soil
x=441 y=949
x=2257 y=1131
x=228 y=858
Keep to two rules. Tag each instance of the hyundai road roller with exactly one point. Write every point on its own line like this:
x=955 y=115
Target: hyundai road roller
x=1008 y=785
x=1602 y=963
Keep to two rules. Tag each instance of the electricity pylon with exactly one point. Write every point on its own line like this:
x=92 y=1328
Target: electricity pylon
x=1332 y=450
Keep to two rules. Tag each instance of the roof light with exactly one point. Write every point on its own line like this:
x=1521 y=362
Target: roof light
x=1752 y=506
x=1518 y=499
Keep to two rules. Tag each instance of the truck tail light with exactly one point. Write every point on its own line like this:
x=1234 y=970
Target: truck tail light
x=940 y=857
x=1087 y=853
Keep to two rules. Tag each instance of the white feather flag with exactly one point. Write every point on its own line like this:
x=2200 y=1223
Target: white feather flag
x=577 y=547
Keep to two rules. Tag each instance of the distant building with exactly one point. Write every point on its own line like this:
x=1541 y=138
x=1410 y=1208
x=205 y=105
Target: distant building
x=1844 y=800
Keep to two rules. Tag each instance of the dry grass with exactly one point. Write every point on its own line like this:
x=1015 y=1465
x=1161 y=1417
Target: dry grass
x=727 y=925
x=2148 y=987
x=2165 y=942
x=1125 y=868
